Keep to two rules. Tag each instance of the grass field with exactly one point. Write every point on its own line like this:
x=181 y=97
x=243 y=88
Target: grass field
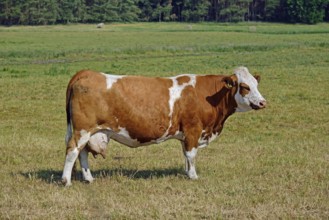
x=268 y=164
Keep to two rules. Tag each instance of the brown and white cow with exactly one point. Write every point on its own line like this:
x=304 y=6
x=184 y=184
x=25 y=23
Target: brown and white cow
x=137 y=111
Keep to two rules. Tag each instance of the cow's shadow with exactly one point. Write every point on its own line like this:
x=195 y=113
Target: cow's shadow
x=54 y=176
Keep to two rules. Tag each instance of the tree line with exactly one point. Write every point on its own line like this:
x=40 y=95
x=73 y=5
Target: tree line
x=45 y=12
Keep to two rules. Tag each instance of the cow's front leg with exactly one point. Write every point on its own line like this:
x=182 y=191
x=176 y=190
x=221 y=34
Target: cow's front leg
x=190 y=162
x=83 y=157
x=192 y=133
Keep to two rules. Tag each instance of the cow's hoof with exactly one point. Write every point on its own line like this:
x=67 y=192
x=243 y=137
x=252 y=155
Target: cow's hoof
x=89 y=181
x=192 y=175
x=65 y=182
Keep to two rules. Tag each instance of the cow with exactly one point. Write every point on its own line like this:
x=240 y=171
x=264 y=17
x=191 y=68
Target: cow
x=138 y=111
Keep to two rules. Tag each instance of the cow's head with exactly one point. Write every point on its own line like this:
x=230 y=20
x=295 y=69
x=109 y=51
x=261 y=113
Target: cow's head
x=247 y=96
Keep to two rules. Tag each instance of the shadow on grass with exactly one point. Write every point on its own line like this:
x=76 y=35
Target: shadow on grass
x=138 y=174
x=54 y=176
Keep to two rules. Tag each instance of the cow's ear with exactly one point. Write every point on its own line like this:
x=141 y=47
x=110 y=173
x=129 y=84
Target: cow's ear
x=229 y=83
x=257 y=77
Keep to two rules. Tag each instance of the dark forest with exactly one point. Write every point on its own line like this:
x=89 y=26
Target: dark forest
x=46 y=12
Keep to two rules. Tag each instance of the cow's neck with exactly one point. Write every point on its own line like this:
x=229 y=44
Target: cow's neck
x=224 y=104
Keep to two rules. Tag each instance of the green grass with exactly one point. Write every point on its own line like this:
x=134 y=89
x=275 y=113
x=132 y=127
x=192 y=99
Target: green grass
x=268 y=164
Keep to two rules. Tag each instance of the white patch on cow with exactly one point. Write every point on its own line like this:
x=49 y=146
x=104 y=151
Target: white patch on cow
x=190 y=166
x=69 y=163
x=84 y=138
x=111 y=79
x=83 y=157
x=213 y=137
x=203 y=141
x=124 y=132
x=253 y=96
x=175 y=92
x=191 y=154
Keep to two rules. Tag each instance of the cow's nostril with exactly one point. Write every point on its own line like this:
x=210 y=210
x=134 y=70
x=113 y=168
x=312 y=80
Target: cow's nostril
x=262 y=104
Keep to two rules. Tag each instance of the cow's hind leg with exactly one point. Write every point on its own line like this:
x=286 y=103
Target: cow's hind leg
x=70 y=159
x=72 y=153
x=83 y=157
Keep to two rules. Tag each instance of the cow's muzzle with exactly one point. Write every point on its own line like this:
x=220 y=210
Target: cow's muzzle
x=261 y=105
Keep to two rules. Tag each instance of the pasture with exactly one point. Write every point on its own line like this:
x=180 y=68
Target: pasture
x=267 y=164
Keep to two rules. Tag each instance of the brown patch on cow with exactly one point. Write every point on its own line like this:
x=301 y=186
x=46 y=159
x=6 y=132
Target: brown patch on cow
x=183 y=79
x=223 y=102
x=244 y=89
x=140 y=105
x=87 y=101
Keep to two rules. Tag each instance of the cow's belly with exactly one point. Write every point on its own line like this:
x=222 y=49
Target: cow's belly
x=123 y=137
x=98 y=142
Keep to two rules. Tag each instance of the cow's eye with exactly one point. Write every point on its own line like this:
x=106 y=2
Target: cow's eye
x=244 y=89
x=245 y=86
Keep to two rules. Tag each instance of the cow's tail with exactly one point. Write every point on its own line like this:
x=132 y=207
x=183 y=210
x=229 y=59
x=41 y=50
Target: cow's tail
x=68 y=114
